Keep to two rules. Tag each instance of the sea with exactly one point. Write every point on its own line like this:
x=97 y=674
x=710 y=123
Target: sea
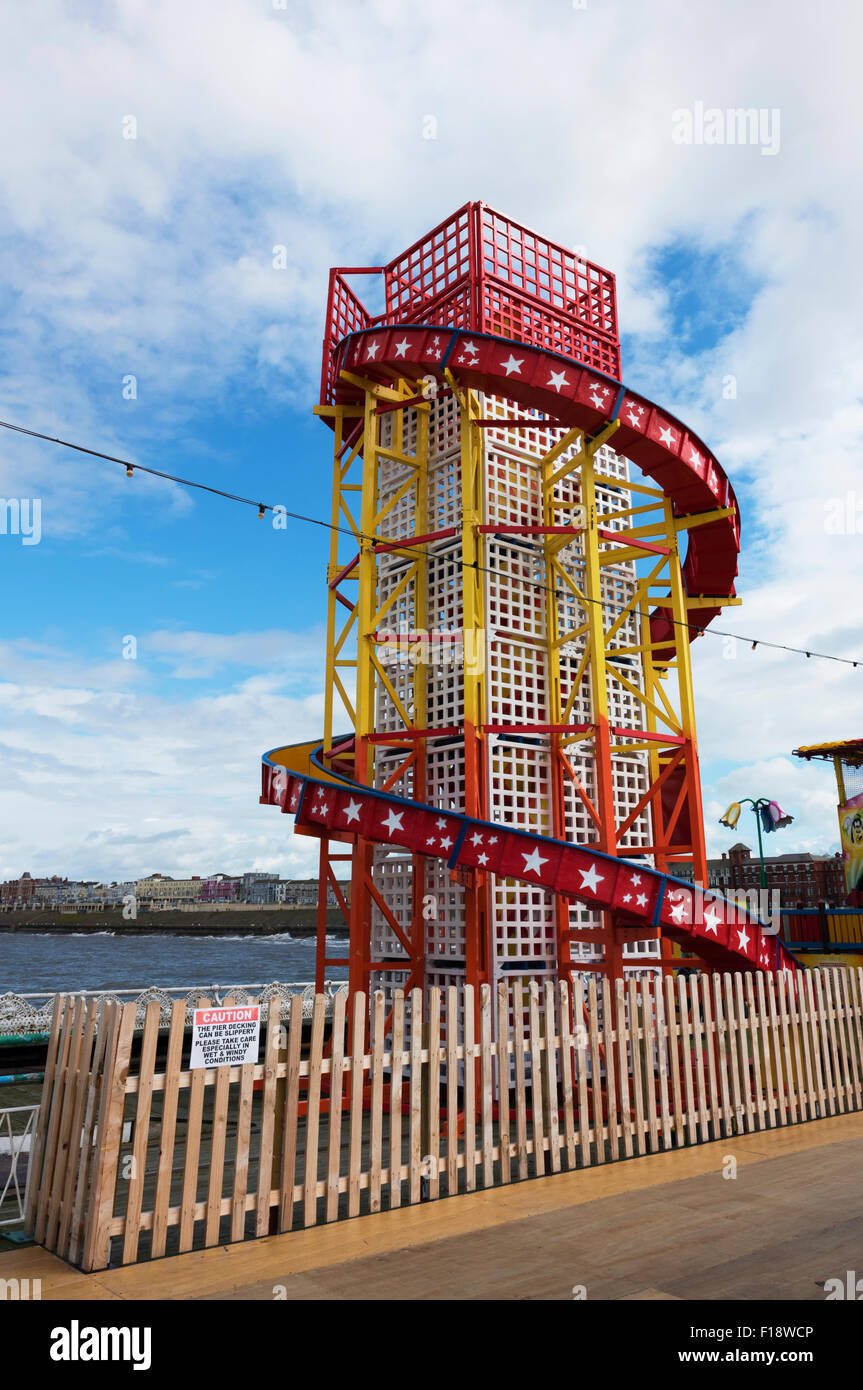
x=106 y=960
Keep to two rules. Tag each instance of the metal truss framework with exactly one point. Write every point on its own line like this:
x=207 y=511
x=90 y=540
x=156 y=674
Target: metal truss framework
x=579 y=547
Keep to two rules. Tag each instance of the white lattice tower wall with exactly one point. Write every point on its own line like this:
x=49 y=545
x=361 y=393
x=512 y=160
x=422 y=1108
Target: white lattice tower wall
x=518 y=768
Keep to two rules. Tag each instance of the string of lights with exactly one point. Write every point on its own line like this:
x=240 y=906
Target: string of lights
x=264 y=507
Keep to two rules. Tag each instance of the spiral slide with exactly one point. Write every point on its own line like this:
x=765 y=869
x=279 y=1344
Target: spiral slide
x=722 y=934
x=577 y=397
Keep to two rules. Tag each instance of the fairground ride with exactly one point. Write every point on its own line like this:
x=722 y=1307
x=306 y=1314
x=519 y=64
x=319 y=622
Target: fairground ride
x=509 y=758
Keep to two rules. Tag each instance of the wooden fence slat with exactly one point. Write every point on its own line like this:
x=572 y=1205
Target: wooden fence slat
x=520 y=1043
x=337 y=1082
x=731 y=1051
x=795 y=1026
x=623 y=1069
x=550 y=1078
x=824 y=1044
x=536 y=1082
x=855 y=1028
x=75 y=1156
x=451 y=1043
x=848 y=1037
x=313 y=1110
x=415 y=1139
x=566 y=1072
x=661 y=1036
x=396 y=1072
x=636 y=1045
x=503 y=1055
x=97 y=1242
x=433 y=1075
x=111 y=1025
x=762 y=1026
x=796 y=1019
x=758 y=1083
x=821 y=1045
x=168 y=1129
x=791 y=1092
x=268 y=1117
x=376 y=1106
x=840 y=989
x=141 y=1132
x=649 y=1044
x=486 y=1074
x=745 y=1046
x=700 y=1040
x=595 y=1070
x=772 y=989
x=830 y=1015
x=94 y=1089
x=715 y=1129
x=610 y=1084
x=766 y=1064
x=292 y=1106
x=53 y=1138
x=355 y=1157
x=674 y=1058
x=218 y=1143
x=815 y=1043
x=722 y=1057
x=55 y=1039
x=470 y=1070
x=240 y=1188
x=194 y=1122
x=686 y=1047
x=837 y=1038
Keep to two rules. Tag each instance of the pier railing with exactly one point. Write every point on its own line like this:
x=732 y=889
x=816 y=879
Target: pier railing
x=17 y=1127
x=389 y=1103
x=30 y=1014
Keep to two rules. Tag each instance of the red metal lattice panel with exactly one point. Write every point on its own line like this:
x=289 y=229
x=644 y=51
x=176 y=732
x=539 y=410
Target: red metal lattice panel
x=479 y=270
x=346 y=313
x=512 y=316
x=547 y=272
x=434 y=265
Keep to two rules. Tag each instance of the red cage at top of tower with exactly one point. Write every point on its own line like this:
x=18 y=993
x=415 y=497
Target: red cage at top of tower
x=479 y=270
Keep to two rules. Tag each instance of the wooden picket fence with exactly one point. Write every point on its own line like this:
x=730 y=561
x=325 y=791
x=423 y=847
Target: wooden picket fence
x=136 y=1156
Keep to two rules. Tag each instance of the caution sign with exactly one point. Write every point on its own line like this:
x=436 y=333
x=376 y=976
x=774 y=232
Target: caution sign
x=226 y=1037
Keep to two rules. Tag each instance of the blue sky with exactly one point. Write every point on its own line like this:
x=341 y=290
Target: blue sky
x=258 y=127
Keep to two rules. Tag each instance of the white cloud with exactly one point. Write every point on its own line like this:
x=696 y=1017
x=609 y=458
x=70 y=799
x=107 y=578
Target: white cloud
x=105 y=781
x=303 y=127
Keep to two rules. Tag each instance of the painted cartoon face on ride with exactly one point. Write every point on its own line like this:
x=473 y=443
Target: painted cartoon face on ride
x=856 y=833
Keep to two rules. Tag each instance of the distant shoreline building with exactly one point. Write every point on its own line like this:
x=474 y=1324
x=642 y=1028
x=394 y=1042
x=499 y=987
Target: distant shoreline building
x=162 y=893
x=803 y=880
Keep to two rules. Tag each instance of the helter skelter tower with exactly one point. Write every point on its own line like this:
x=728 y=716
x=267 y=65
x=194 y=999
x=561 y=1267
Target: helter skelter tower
x=509 y=624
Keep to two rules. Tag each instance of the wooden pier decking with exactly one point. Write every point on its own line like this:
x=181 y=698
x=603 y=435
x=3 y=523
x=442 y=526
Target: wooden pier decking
x=665 y=1226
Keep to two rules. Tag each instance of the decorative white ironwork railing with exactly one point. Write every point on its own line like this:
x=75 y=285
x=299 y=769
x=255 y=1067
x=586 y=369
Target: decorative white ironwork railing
x=17 y=1126
x=31 y=1013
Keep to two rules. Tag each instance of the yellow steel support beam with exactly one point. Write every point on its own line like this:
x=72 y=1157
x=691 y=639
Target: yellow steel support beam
x=367 y=596
x=335 y=636
x=710 y=601
x=472 y=585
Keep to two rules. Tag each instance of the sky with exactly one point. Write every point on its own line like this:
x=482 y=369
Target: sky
x=155 y=155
